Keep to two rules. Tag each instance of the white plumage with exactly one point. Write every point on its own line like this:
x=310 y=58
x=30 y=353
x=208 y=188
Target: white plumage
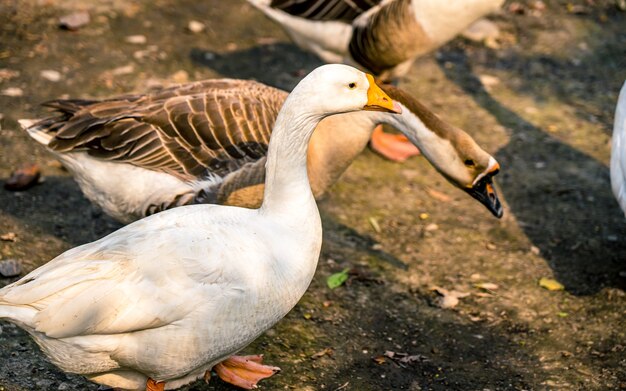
x=618 y=151
x=168 y=297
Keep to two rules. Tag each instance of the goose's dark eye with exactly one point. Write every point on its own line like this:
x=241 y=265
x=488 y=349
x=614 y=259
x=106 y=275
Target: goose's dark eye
x=352 y=86
x=469 y=162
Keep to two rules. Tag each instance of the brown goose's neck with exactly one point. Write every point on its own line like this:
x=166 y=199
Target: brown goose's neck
x=336 y=142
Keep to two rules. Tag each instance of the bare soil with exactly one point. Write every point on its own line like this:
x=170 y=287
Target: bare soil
x=542 y=102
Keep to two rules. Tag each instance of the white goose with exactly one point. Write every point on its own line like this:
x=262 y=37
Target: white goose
x=205 y=142
x=160 y=302
x=380 y=36
x=618 y=151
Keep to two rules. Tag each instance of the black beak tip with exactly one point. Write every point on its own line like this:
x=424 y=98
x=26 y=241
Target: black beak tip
x=497 y=209
x=487 y=197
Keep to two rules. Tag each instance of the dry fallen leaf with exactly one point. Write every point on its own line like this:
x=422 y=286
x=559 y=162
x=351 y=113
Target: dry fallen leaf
x=322 y=353
x=489 y=286
x=10 y=267
x=402 y=359
x=439 y=196
x=447 y=299
x=551 y=284
x=380 y=360
x=9 y=237
x=23 y=178
x=374 y=224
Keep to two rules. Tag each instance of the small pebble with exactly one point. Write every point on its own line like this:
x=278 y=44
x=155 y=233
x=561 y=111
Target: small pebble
x=431 y=227
x=137 y=39
x=490 y=246
x=12 y=91
x=195 y=27
x=51 y=75
x=125 y=70
x=10 y=267
x=74 y=21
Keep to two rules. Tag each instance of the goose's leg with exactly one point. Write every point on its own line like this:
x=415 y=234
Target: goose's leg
x=152 y=385
x=243 y=371
x=394 y=147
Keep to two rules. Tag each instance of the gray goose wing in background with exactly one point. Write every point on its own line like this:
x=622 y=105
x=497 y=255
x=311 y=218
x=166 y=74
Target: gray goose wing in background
x=325 y=10
x=190 y=130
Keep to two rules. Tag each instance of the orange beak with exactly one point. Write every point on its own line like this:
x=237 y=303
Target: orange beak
x=377 y=100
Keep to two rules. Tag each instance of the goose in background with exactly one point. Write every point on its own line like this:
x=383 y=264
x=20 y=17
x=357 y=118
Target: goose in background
x=383 y=37
x=205 y=142
x=158 y=303
x=618 y=151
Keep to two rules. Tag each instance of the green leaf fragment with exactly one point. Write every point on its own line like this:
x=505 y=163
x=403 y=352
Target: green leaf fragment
x=336 y=280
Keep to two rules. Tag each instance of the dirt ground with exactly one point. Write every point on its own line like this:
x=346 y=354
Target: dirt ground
x=541 y=100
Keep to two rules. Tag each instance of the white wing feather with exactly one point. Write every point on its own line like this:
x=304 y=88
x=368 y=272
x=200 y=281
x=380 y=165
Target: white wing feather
x=114 y=285
x=618 y=151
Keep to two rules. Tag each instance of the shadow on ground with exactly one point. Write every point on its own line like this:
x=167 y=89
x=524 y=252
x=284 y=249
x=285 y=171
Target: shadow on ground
x=280 y=65
x=560 y=196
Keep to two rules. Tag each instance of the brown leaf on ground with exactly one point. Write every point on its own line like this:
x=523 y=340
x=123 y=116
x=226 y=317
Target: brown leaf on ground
x=488 y=286
x=438 y=195
x=23 y=178
x=447 y=299
x=380 y=360
x=326 y=352
x=9 y=237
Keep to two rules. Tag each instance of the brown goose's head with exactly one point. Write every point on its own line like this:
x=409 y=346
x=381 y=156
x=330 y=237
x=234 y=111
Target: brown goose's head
x=449 y=149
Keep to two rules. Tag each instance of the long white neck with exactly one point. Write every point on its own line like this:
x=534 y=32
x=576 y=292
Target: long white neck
x=287 y=188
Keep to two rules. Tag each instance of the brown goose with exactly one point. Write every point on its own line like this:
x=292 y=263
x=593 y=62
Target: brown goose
x=205 y=142
x=381 y=36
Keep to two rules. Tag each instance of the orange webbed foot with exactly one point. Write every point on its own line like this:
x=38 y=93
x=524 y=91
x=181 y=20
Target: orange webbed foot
x=152 y=385
x=244 y=371
x=394 y=147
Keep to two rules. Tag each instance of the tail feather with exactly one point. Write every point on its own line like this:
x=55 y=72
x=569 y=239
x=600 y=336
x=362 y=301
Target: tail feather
x=22 y=315
x=68 y=106
x=36 y=130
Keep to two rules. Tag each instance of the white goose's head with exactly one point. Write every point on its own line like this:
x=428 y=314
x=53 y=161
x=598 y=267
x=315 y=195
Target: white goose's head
x=335 y=88
x=449 y=149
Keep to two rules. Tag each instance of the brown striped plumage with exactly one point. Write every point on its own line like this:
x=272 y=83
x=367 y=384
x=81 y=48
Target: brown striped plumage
x=211 y=138
x=186 y=130
x=390 y=37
